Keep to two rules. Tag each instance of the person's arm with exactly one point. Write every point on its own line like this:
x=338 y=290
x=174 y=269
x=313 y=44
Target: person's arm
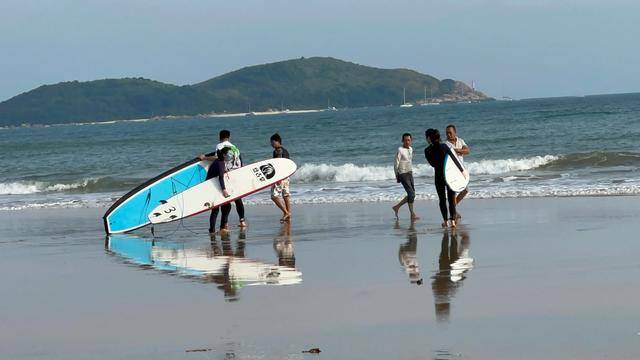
x=464 y=150
x=396 y=162
x=429 y=156
x=210 y=156
x=396 y=165
x=221 y=170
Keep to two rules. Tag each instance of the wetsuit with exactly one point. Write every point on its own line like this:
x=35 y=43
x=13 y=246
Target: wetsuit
x=435 y=154
x=218 y=169
x=234 y=162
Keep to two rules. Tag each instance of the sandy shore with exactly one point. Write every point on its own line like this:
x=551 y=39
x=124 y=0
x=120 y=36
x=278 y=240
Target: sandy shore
x=552 y=278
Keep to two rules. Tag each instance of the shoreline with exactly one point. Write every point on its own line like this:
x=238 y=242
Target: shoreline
x=268 y=203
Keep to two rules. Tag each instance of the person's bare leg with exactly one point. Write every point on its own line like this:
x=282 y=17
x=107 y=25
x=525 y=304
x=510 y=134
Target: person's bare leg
x=461 y=196
x=287 y=206
x=397 y=206
x=414 y=217
x=280 y=206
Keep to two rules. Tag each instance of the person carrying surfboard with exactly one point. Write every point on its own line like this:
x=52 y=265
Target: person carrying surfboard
x=217 y=169
x=460 y=147
x=402 y=167
x=281 y=188
x=234 y=162
x=435 y=154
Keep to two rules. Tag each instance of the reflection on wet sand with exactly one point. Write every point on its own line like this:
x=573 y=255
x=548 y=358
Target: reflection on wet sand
x=283 y=246
x=407 y=255
x=222 y=263
x=454 y=262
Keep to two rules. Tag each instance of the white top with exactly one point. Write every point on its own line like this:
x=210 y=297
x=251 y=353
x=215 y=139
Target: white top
x=459 y=144
x=402 y=163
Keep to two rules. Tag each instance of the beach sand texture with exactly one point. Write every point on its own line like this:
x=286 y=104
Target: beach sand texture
x=546 y=278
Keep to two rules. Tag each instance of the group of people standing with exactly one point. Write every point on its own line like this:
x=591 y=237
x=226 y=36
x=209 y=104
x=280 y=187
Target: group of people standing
x=435 y=154
x=226 y=158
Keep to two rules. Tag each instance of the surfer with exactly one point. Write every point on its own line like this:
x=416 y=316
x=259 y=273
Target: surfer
x=218 y=169
x=281 y=188
x=460 y=147
x=435 y=154
x=403 y=170
x=234 y=162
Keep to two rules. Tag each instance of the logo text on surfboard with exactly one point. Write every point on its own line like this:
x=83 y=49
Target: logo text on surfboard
x=264 y=172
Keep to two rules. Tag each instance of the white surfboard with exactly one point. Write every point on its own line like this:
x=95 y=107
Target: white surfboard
x=455 y=174
x=207 y=195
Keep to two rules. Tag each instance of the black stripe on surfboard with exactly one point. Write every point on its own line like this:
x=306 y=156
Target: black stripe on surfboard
x=455 y=160
x=126 y=196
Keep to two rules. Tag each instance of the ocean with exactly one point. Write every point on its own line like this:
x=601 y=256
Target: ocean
x=574 y=146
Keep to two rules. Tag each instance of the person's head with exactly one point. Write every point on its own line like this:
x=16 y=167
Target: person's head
x=406 y=140
x=225 y=134
x=433 y=136
x=222 y=153
x=276 y=140
x=452 y=133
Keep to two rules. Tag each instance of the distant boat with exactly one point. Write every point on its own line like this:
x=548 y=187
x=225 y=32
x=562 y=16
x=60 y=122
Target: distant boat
x=404 y=99
x=329 y=107
x=425 y=103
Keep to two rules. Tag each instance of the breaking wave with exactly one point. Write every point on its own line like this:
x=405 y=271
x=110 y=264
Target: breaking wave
x=86 y=185
x=353 y=173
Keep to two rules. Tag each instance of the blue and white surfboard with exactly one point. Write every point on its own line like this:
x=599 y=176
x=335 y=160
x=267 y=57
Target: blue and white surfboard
x=132 y=210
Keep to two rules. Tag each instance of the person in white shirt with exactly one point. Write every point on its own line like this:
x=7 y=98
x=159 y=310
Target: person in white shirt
x=460 y=147
x=403 y=170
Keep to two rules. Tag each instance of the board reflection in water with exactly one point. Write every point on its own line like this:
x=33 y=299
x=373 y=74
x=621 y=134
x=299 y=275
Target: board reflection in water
x=222 y=263
x=453 y=264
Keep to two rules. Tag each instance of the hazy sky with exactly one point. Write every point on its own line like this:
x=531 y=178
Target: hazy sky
x=528 y=48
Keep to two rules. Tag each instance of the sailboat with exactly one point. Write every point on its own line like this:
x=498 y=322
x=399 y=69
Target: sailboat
x=404 y=99
x=425 y=103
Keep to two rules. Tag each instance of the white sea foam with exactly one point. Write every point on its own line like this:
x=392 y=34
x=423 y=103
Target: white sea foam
x=491 y=167
x=355 y=173
x=33 y=187
x=301 y=195
x=17 y=188
x=494 y=193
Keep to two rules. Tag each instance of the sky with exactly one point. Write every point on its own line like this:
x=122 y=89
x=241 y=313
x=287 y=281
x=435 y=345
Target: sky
x=521 y=49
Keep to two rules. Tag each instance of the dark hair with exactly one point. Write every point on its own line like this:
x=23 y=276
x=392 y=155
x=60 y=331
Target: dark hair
x=453 y=127
x=276 y=137
x=225 y=134
x=433 y=135
x=406 y=134
x=222 y=152
x=428 y=132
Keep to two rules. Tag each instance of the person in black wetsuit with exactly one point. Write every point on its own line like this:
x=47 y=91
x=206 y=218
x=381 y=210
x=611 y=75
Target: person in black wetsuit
x=217 y=168
x=435 y=154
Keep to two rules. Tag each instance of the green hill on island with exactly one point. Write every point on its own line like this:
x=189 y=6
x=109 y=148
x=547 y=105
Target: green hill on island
x=310 y=83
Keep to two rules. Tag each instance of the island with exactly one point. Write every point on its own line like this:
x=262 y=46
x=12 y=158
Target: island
x=291 y=85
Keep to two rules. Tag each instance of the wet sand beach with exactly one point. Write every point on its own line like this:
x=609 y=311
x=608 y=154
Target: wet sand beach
x=545 y=278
